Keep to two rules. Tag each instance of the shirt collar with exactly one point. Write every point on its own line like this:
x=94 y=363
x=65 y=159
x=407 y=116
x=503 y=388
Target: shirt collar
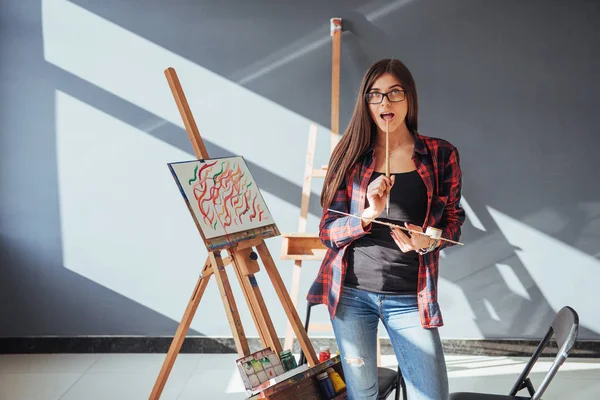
x=419 y=144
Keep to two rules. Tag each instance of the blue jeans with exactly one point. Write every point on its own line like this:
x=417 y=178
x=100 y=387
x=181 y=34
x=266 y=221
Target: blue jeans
x=418 y=350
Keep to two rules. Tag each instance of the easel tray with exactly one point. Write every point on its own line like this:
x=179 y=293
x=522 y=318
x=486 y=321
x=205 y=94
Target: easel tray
x=303 y=385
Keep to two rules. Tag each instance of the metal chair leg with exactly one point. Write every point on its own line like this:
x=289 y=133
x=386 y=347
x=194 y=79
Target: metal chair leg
x=398 y=385
x=401 y=385
x=306 y=321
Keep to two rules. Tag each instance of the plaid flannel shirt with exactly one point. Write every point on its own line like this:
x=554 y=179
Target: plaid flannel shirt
x=438 y=164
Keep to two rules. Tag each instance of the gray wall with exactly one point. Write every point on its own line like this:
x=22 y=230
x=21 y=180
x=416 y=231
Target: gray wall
x=95 y=238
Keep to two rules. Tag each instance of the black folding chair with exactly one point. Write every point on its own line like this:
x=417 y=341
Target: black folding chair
x=388 y=379
x=564 y=328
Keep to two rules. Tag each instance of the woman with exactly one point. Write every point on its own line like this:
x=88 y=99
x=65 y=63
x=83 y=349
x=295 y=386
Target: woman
x=371 y=272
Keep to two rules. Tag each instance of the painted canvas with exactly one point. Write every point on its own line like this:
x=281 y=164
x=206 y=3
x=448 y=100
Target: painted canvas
x=222 y=195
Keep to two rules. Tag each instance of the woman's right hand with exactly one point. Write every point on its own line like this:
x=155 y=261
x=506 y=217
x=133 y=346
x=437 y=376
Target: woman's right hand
x=377 y=193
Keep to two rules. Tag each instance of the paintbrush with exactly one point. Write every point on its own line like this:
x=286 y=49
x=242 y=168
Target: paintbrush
x=387 y=162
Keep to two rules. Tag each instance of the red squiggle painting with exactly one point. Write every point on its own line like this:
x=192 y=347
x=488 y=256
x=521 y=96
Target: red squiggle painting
x=223 y=195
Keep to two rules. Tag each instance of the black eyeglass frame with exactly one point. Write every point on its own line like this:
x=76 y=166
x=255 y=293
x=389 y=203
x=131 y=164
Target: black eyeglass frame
x=384 y=95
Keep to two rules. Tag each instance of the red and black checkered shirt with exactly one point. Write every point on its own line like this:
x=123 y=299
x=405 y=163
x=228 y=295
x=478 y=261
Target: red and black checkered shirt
x=438 y=164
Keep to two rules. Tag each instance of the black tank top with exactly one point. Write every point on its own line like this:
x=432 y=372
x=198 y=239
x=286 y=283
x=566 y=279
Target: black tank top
x=375 y=262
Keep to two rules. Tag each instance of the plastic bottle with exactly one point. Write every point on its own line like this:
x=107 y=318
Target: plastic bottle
x=336 y=380
x=326 y=386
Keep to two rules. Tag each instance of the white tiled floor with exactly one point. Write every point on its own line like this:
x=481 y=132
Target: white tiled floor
x=214 y=376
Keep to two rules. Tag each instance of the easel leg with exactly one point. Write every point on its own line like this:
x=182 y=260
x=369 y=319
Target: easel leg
x=336 y=28
x=259 y=303
x=241 y=343
x=288 y=306
x=254 y=300
x=182 y=330
x=297 y=268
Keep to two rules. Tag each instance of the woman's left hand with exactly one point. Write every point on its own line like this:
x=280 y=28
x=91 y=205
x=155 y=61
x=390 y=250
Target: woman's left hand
x=414 y=242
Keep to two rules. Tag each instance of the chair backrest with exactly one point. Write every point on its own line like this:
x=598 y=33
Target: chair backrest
x=564 y=328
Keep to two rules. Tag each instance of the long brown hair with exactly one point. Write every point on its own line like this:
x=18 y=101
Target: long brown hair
x=361 y=129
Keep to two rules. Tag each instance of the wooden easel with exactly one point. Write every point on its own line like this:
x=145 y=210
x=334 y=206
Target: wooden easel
x=302 y=245
x=244 y=262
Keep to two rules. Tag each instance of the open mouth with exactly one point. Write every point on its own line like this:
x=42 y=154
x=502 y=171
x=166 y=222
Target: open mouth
x=387 y=116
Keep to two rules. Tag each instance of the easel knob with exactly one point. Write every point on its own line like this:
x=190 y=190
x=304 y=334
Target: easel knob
x=253 y=256
x=335 y=24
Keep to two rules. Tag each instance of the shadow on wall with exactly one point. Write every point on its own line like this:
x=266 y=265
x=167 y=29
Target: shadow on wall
x=38 y=295
x=45 y=299
x=483 y=84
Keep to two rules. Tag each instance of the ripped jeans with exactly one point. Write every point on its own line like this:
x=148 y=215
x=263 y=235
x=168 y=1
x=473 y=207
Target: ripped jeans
x=418 y=350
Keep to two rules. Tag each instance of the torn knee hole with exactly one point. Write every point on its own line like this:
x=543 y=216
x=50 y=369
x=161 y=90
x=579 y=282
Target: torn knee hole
x=355 y=361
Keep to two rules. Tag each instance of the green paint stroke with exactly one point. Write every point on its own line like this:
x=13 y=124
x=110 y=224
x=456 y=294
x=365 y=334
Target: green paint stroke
x=220 y=172
x=195 y=177
x=250 y=184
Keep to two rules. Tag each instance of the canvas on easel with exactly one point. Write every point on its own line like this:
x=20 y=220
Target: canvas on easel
x=223 y=198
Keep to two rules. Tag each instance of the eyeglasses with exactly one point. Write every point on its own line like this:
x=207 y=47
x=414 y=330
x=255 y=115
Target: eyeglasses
x=394 y=96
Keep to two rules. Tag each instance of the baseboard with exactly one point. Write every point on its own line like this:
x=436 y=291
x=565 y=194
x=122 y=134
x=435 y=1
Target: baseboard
x=205 y=344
